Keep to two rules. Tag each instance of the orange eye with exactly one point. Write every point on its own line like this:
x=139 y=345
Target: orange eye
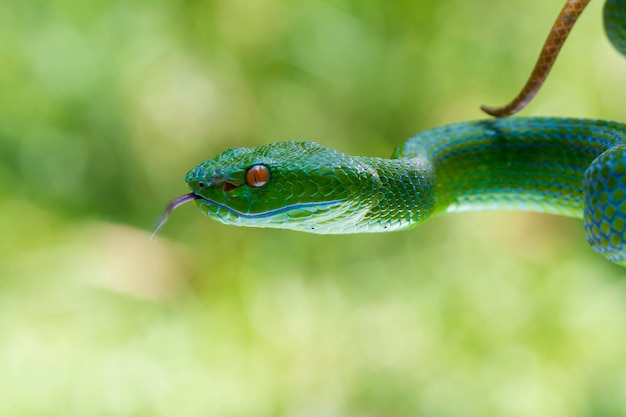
x=257 y=176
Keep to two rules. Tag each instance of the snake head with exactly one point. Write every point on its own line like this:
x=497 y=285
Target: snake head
x=288 y=185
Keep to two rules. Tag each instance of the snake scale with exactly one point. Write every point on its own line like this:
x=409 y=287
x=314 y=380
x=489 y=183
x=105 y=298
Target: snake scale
x=565 y=166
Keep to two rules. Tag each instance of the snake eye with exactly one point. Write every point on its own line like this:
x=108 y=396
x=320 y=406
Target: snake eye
x=201 y=185
x=257 y=176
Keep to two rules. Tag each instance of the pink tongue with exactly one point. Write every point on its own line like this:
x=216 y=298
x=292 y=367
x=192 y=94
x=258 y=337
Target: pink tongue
x=171 y=207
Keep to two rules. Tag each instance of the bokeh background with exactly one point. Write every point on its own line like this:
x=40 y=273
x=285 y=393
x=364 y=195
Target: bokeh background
x=104 y=106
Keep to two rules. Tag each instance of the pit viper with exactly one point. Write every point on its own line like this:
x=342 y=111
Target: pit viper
x=565 y=166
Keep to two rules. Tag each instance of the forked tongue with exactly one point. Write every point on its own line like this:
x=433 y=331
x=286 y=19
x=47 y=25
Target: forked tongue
x=177 y=202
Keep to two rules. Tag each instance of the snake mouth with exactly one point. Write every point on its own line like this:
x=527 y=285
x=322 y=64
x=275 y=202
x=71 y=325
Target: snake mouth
x=263 y=214
x=228 y=215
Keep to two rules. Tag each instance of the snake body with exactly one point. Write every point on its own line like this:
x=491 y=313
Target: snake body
x=571 y=167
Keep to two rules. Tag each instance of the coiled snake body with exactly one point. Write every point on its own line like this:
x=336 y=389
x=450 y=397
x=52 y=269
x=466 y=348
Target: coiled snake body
x=572 y=167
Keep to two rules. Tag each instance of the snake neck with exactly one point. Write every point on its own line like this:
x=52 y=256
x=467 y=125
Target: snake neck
x=535 y=164
x=403 y=195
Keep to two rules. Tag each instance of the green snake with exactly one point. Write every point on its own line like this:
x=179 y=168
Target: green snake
x=571 y=167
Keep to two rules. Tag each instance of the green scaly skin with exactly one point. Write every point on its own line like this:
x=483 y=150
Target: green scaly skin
x=572 y=167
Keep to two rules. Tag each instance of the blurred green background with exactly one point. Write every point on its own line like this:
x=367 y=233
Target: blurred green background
x=104 y=106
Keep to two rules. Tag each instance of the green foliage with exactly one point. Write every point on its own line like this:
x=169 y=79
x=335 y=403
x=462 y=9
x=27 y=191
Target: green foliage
x=105 y=105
